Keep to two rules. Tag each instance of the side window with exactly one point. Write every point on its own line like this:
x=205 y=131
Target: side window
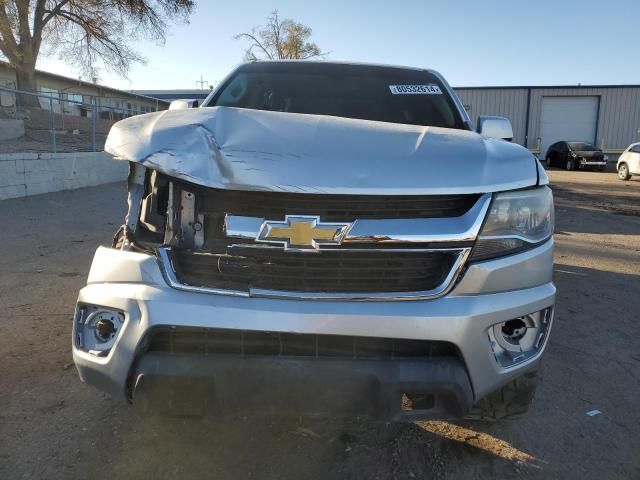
x=232 y=95
x=636 y=149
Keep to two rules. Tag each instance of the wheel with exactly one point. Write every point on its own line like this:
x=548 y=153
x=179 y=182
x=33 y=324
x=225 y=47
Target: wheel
x=623 y=172
x=511 y=401
x=548 y=161
x=571 y=164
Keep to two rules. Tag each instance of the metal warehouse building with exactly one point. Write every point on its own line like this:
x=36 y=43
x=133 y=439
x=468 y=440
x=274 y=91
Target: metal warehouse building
x=606 y=115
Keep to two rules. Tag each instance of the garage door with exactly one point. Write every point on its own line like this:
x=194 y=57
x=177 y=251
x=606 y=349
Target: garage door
x=568 y=118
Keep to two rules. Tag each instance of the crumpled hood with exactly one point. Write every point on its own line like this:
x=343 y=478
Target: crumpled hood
x=245 y=149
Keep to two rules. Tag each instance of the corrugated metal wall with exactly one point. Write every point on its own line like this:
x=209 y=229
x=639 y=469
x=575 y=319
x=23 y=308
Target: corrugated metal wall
x=618 y=117
x=505 y=102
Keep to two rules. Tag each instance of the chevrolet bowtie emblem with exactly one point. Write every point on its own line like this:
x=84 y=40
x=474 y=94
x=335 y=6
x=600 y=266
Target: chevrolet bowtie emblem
x=303 y=232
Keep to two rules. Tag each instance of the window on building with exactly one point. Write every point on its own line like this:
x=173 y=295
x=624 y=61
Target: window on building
x=74 y=97
x=52 y=93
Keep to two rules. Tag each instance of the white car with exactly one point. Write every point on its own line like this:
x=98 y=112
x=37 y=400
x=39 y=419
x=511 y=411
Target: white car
x=629 y=162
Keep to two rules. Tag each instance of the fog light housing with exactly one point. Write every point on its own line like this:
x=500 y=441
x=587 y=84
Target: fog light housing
x=519 y=339
x=96 y=328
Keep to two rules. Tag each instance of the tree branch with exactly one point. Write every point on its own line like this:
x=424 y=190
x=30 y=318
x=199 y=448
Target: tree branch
x=23 y=29
x=53 y=12
x=8 y=43
x=38 y=14
x=256 y=43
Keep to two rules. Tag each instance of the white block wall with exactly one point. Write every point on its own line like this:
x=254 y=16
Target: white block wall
x=26 y=174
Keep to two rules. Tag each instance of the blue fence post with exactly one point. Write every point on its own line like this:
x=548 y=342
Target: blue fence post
x=53 y=124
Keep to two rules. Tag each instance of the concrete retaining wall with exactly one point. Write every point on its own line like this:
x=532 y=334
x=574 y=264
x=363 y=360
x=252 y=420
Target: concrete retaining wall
x=11 y=128
x=26 y=174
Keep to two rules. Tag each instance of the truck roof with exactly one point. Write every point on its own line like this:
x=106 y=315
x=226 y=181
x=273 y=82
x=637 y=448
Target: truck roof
x=333 y=62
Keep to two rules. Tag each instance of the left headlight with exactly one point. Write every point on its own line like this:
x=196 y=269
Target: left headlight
x=516 y=222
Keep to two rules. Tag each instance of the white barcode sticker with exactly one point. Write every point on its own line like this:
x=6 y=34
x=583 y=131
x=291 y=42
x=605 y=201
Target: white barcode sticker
x=415 y=89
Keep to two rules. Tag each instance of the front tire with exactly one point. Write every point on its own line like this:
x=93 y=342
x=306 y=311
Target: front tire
x=511 y=401
x=623 y=172
x=548 y=162
x=571 y=164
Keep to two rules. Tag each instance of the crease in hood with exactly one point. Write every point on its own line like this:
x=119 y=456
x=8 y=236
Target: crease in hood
x=242 y=149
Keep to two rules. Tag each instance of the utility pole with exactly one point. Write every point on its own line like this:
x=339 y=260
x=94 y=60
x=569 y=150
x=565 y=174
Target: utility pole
x=201 y=82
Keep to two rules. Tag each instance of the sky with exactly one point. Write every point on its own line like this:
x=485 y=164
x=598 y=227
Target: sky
x=472 y=43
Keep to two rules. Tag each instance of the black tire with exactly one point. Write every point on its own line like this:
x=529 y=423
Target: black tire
x=623 y=171
x=511 y=401
x=571 y=164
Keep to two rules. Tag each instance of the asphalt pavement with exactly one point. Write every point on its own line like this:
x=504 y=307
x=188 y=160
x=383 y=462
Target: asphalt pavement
x=54 y=427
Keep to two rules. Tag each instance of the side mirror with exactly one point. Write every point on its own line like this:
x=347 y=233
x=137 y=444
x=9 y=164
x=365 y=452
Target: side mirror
x=182 y=104
x=495 y=127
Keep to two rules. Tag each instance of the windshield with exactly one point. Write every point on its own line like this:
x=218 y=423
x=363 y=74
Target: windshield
x=582 y=147
x=383 y=94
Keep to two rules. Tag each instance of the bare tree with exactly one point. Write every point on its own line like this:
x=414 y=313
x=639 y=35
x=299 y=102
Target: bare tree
x=280 y=39
x=87 y=33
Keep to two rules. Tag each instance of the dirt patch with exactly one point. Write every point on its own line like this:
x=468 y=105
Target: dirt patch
x=597 y=190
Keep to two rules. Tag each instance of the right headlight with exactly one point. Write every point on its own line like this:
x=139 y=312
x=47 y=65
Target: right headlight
x=516 y=221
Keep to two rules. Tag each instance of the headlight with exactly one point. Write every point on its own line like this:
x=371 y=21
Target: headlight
x=516 y=221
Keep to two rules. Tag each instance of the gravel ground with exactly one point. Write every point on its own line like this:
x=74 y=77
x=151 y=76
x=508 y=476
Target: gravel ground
x=54 y=427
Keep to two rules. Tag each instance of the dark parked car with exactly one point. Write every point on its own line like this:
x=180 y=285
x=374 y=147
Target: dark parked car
x=574 y=155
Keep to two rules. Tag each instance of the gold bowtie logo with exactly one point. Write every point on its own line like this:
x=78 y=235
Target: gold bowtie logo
x=303 y=233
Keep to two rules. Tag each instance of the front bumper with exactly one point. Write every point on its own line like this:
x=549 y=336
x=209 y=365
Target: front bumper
x=489 y=292
x=191 y=384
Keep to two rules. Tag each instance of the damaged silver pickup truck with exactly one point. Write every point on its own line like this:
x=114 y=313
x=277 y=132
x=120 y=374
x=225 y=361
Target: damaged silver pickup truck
x=323 y=238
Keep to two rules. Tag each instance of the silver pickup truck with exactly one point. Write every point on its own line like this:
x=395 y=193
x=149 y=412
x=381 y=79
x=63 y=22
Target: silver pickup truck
x=322 y=238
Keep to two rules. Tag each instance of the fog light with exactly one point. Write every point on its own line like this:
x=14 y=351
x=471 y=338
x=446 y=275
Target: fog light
x=520 y=339
x=514 y=330
x=96 y=328
x=105 y=329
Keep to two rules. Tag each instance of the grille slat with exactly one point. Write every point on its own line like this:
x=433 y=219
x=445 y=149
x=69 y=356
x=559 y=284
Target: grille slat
x=330 y=271
x=331 y=208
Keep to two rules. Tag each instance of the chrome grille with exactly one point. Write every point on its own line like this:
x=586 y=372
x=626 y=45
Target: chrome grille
x=384 y=258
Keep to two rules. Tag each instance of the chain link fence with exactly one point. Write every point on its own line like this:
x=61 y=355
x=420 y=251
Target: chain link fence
x=58 y=122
